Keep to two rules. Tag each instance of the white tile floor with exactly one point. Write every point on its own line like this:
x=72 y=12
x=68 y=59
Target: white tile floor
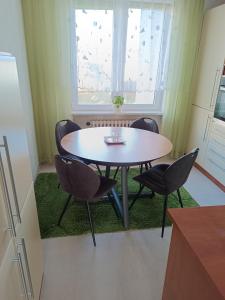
x=204 y=191
x=124 y=266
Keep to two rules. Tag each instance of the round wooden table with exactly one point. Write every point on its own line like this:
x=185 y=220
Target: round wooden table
x=140 y=147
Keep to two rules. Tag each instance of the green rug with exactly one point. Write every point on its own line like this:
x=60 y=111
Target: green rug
x=146 y=213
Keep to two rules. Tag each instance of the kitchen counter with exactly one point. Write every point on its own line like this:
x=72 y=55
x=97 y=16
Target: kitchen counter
x=196 y=262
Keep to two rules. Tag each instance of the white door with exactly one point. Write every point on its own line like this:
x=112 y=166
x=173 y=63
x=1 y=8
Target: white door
x=199 y=131
x=30 y=245
x=211 y=58
x=14 y=148
x=12 y=285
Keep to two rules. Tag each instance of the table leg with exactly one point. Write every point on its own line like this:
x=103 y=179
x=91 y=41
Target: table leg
x=124 y=184
x=117 y=202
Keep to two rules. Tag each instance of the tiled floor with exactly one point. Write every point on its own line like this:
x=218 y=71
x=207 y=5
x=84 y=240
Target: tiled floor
x=124 y=266
x=204 y=191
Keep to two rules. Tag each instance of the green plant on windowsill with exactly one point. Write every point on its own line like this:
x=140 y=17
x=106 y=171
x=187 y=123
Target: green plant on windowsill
x=118 y=102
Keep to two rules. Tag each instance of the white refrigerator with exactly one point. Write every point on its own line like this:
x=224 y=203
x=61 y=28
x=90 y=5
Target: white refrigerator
x=21 y=263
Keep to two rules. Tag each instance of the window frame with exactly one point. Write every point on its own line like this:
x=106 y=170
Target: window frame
x=154 y=108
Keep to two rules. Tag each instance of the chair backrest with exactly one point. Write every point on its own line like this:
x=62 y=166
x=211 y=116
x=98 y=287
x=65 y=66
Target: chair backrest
x=62 y=128
x=77 y=178
x=146 y=124
x=177 y=173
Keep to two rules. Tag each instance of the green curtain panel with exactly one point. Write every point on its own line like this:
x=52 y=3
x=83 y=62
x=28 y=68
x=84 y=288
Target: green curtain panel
x=47 y=32
x=185 y=36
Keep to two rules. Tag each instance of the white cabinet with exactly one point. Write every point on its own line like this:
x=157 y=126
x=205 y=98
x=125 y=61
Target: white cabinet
x=205 y=132
x=21 y=263
x=12 y=127
x=12 y=286
x=19 y=161
x=28 y=237
x=21 y=267
x=210 y=58
x=215 y=153
x=5 y=235
x=28 y=248
x=199 y=131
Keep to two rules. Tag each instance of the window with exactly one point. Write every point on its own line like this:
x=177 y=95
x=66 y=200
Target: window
x=94 y=55
x=121 y=50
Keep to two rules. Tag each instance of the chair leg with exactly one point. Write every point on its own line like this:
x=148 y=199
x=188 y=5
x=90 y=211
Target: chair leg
x=141 y=169
x=117 y=170
x=91 y=223
x=150 y=165
x=58 y=185
x=152 y=195
x=179 y=198
x=146 y=167
x=64 y=210
x=164 y=215
x=107 y=172
x=113 y=205
x=136 y=197
x=99 y=171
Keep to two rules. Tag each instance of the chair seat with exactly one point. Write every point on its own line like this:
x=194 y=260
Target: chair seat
x=105 y=186
x=153 y=178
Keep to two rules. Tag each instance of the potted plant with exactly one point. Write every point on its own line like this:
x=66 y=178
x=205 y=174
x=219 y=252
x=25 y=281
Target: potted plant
x=117 y=103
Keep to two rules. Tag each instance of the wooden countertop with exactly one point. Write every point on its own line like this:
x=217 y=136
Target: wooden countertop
x=204 y=230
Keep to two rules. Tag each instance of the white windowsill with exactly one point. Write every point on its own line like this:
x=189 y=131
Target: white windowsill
x=130 y=113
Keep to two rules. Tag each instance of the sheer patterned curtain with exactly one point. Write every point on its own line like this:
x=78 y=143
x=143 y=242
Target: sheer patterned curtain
x=146 y=48
x=120 y=48
x=93 y=54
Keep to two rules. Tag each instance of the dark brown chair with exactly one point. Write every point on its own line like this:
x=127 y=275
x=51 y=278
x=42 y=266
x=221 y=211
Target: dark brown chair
x=144 y=124
x=63 y=128
x=83 y=184
x=149 y=125
x=164 y=179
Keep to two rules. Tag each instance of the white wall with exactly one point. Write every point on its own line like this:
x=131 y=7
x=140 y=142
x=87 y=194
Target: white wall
x=12 y=40
x=212 y=3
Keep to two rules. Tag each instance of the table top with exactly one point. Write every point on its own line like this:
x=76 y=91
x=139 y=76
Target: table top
x=204 y=230
x=140 y=145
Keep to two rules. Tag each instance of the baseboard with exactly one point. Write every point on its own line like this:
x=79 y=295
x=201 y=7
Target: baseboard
x=208 y=175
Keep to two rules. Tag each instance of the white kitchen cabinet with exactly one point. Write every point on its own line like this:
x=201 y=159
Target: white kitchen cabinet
x=13 y=128
x=5 y=235
x=21 y=267
x=30 y=245
x=210 y=58
x=215 y=153
x=199 y=131
x=205 y=131
x=12 y=286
